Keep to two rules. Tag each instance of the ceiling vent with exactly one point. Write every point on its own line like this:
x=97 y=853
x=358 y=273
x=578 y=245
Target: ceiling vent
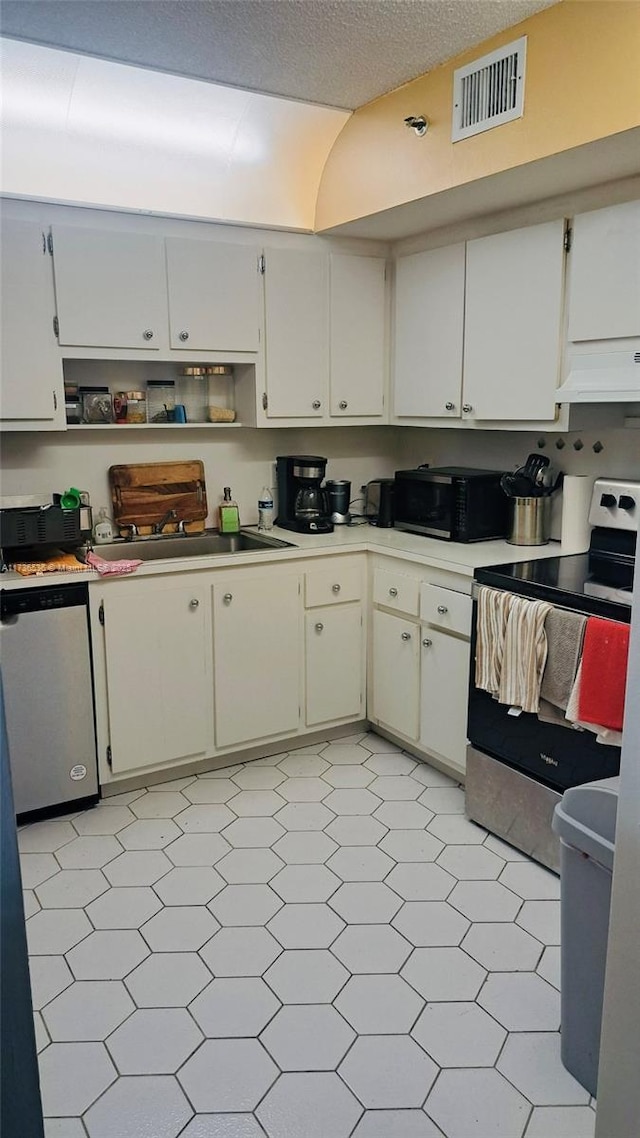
x=489 y=91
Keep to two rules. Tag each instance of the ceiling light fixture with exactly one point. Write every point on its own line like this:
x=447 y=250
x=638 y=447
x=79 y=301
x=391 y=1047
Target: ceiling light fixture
x=418 y=123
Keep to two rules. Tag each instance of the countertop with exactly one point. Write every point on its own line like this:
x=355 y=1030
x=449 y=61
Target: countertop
x=452 y=556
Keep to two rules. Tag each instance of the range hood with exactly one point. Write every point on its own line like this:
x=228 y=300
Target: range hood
x=602 y=376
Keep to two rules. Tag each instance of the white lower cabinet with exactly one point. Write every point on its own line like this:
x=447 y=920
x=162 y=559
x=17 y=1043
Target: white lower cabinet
x=444 y=687
x=396 y=673
x=333 y=664
x=257 y=678
x=158 y=671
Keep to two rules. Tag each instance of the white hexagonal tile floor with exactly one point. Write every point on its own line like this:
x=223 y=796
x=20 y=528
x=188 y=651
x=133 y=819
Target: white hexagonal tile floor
x=154 y=1041
x=316 y=944
x=388 y=1071
x=308 y=1037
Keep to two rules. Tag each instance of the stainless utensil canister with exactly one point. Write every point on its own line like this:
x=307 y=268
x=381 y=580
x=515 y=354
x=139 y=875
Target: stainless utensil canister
x=529 y=521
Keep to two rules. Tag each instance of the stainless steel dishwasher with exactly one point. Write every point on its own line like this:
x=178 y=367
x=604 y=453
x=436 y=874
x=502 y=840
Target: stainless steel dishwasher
x=48 y=691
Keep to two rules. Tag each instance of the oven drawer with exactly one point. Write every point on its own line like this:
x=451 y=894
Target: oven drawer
x=446 y=609
x=395 y=591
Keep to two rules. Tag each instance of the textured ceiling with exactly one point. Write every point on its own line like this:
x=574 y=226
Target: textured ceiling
x=342 y=53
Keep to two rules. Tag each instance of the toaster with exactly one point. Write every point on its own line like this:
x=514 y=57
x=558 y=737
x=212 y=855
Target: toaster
x=379 y=502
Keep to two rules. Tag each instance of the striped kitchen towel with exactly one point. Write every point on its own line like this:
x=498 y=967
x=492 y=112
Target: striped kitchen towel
x=525 y=654
x=493 y=613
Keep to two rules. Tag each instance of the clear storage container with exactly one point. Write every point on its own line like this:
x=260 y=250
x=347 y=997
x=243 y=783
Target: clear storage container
x=161 y=400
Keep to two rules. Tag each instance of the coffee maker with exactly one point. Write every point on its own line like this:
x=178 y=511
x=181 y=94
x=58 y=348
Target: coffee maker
x=303 y=504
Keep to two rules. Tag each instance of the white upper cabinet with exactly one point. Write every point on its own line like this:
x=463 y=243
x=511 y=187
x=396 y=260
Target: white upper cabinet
x=358 y=321
x=513 y=308
x=604 y=274
x=297 y=334
x=429 y=320
x=110 y=288
x=214 y=295
x=32 y=389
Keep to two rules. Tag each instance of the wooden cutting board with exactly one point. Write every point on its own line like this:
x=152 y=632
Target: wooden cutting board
x=143 y=493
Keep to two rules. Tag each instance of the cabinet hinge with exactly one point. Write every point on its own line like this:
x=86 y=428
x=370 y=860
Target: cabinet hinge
x=109 y=757
x=265 y=401
x=56 y=326
x=101 y=613
x=568 y=234
x=50 y=244
x=262 y=264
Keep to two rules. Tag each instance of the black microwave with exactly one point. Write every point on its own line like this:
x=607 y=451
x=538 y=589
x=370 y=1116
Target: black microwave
x=455 y=503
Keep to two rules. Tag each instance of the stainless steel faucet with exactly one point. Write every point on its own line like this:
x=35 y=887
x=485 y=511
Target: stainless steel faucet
x=170 y=516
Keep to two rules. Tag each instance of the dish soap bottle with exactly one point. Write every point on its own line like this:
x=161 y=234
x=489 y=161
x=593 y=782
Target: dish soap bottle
x=102 y=530
x=265 y=509
x=229 y=513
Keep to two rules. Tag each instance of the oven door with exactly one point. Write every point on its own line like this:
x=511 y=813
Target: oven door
x=556 y=756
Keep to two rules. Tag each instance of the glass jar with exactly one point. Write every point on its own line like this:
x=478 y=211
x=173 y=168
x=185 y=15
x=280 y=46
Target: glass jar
x=136 y=407
x=161 y=400
x=193 y=393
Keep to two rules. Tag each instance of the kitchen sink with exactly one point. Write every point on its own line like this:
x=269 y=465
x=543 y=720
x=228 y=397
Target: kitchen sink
x=210 y=544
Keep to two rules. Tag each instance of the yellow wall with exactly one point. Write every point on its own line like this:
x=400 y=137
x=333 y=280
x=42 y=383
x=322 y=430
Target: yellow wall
x=582 y=84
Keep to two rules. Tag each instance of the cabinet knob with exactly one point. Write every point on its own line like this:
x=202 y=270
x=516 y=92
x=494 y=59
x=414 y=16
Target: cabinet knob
x=194 y=604
x=227 y=598
x=393 y=592
x=316 y=405
x=319 y=626
x=406 y=636
x=426 y=642
x=467 y=408
x=343 y=404
x=183 y=336
x=335 y=588
x=147 y=334
x=449 y=406
x=442 y=609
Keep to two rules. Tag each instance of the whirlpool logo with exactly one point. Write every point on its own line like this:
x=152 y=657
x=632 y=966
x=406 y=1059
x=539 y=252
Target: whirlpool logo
x=548 y=759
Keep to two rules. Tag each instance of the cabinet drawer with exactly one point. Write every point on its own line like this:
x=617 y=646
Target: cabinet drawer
x=446 y=609
x=341 y=582
x=395 y=591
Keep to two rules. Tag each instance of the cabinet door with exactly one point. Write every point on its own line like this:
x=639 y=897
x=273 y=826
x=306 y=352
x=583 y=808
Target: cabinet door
x=604 y=274
x=512 y=323
x=296 y=333
x=396 y=671
x=357 y=336
x=110 y=288
x=213 y=295
x=444 y=693
x=333 y=642
x=158 y=673
x=429 y=320
x=32 y=387
x=256 y=658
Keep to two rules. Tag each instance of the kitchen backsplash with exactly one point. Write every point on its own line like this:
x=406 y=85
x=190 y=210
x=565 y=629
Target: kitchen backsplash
x=244 y=458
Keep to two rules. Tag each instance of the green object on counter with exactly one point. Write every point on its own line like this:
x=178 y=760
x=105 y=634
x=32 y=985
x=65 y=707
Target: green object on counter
x=70 y=500
x=229 y=513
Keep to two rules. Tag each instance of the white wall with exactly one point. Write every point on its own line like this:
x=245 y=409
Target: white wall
x=619 y=458
x=242 y=458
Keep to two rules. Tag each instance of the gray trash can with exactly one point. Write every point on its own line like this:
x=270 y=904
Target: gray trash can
x=585 y=822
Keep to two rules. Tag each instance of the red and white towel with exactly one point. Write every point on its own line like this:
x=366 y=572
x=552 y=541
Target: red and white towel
x=598 y=694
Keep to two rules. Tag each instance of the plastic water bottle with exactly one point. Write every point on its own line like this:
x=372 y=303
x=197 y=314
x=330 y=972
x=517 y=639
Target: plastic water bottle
x=265 y=509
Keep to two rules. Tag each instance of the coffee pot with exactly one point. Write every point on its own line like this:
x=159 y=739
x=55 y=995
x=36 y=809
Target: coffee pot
x=303 y=503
